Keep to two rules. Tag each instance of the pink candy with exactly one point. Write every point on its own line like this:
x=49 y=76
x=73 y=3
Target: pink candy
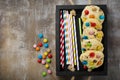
x=91 y=33
x=49 y=72
x=34 y=46
x=43 y=62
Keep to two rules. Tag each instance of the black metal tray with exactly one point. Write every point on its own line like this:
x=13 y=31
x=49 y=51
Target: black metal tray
x=98 y=71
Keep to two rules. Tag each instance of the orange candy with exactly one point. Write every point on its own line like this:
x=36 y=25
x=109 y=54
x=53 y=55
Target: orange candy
x=91 y=16
x=44 y=56
x=37 y=49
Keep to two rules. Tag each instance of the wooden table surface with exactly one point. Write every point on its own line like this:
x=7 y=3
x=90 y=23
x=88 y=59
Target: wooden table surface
x=22 y=20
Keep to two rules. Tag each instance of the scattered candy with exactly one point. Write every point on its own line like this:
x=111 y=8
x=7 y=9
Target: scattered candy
x=91 y=16
x=48 y=50
x=45 y=53
x=44 y=74
x=40 y=44
x=37 y=49
x=44 y=56
x=34 y=46
x=46 y=66
x=40 y=35
x=48 y=60
x=49 y=72
x=43 y=62
x=39 y=56
x=46 y=45
x=39 y=60
x=49 y=55
x=45 y=40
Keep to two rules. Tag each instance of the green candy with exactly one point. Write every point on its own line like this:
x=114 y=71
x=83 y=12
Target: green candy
x=89 y=44
x=44 y=74
x=48 y=60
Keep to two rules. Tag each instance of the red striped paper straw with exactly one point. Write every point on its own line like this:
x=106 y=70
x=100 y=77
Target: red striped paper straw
x=61 y=40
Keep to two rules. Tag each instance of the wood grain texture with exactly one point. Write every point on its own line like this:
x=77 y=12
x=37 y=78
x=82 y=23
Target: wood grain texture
x=22 y=20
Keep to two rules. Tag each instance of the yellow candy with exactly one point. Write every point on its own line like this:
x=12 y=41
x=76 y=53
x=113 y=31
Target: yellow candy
x=47 y=66
x=84 y=19
x=99 y=47
x=91 y=63
x=48 y=50
x=45 y=40
x=45 y=53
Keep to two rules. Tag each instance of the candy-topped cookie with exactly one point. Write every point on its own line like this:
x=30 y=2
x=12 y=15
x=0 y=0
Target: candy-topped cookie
x=92 y=59
x=93 y=12
x=91 y=44
x=91 y=33
x=94 y=23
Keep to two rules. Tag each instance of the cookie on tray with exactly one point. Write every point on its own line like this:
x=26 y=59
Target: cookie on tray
x=93 y=12
x=91 y=33
x=92 y=59
x=91 y=44
x=94 y=23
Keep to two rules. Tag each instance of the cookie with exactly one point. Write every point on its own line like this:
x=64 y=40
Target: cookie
x=94 y=23
x=93 y=12
x=91 y=33
x=91 y=44
x=92 y=59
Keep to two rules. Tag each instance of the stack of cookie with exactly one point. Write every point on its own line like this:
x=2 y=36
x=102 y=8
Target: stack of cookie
x=92 y=48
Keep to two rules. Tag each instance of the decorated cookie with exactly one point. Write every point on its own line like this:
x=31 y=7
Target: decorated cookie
x=91 y=44
x=94 y=23
x=91 y=33
x=92 y=59
x=93 y=12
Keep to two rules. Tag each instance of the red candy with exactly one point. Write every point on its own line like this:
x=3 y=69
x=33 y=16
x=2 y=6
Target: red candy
x=93 y=24
x=85 y=67
x=39 y=61
x=92 y=54
x=40 y=44
x=86 y=12
x=49 y=55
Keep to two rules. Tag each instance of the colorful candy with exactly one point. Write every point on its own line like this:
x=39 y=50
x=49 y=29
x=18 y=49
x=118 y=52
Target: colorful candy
x=37 y=49
x=93 y=24
x=84 y=62
x=39 y=60
x=40 y=35
x=40 y=44
x=44 y=74
x=49 y=72
x=46 y=45
x=34 y=46
x=39 y=56
x=45 y=53
x=48 y=60
x=44 y=56
x=92 y=54
x=45 y=40
x=102 y=17
x=85 y=37
x=46 y=66
x=49 y=55
x=43 y=62
x=48 y=50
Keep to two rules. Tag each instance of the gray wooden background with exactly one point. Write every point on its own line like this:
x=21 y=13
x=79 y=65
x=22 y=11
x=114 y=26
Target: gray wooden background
x=22 y=20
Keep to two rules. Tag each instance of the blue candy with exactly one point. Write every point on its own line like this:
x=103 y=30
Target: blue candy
x=40 y=35
x=46 y=45
x=84 y=37
x=87 y=24
x=83 y=49
x=84 y=62
x=102 y=17
x=39 y=56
